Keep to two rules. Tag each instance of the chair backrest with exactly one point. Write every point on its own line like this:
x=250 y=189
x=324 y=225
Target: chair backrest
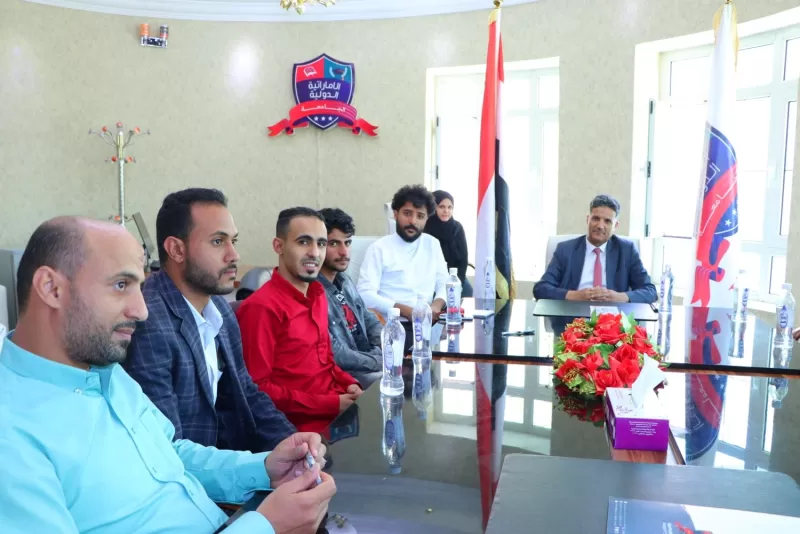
x=389 y=213
x=252 y=280
x=3 y=307
x=554 y=240
x=357 y=252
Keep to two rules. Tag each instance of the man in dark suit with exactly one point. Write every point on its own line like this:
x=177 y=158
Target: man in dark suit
x=187 y=355
x=599 y=266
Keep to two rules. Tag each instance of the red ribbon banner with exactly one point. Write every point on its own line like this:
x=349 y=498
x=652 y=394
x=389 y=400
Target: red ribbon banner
x=347 y=114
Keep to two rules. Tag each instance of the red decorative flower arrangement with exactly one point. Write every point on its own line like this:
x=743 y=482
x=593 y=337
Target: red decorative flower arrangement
x=605 y=351
x=581 y=407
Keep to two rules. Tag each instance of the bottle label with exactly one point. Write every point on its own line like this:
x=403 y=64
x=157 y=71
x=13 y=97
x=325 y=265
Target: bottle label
x=388 y=433
x=388 y=355
x=453 y=344
x=663 y=286
x=745 y=298
x=451 y=297
x=418 y=333
x=784 y=317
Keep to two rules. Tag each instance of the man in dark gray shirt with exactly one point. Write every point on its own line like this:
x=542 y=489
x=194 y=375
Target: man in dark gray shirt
x=355 y=331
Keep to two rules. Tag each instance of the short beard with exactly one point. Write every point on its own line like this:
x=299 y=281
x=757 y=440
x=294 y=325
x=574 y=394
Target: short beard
x=335 y=267
x=405 y=237
x=89 y=343
x=307 y=278
x=205 y=282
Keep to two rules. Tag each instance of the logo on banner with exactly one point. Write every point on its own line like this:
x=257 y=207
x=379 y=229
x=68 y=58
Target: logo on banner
x=719 y=215
x=323 y=90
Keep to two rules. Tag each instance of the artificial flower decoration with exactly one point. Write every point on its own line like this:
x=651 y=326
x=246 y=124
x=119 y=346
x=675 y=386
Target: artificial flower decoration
x=606 y=351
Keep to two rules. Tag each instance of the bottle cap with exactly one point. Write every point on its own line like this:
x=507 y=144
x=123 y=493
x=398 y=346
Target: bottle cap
x=394 y=313
x=787 y=285
x=421 y=296
x=454 y=272
x=395 y=470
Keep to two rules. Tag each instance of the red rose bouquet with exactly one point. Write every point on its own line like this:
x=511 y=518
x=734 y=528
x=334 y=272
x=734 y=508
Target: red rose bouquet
x=605 y=351
x=583 y=408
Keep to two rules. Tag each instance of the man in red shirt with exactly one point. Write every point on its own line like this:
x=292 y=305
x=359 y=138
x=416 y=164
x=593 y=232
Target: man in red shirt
x=284 y=324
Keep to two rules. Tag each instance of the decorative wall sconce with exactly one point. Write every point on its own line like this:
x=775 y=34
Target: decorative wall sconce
x=150 y=40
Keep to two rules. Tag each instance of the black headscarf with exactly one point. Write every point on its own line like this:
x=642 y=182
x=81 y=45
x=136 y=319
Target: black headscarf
x=450 y=235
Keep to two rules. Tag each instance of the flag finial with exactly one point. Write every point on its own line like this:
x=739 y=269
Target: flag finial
x=493 y=16
x=734 y=27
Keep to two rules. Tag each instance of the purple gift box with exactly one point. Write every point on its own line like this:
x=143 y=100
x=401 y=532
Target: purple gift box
x=632 y=428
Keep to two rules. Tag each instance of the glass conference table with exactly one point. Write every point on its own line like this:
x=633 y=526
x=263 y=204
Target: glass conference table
x=451 y=448
x=693 y=339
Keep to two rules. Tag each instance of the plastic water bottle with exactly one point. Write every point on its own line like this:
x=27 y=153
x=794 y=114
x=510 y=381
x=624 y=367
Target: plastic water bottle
x=453 y=291
x=422 y=394
x=736 y=345
x=741 y=294
x=664 y=333
x=421 y=317
x=785 y=318
x=393 y=442
x=393 y=339
x=667 y=285
x=778 y=388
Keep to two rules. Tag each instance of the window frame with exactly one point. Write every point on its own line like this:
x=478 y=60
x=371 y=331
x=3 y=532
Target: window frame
x=781 y=93
x=537 y=119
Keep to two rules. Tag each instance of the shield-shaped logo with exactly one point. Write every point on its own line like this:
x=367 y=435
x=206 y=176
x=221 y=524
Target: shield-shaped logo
x=323 y=90
x=324 y=80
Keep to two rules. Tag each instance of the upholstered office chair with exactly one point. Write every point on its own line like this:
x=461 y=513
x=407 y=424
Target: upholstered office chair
x=553 y=241
x=362 y=242
x=3 y=307
x=357 y=252
x=252 y=280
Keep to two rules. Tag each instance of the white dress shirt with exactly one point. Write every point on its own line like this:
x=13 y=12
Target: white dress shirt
x=209 y=324
x=587 y=275
x=395 y=272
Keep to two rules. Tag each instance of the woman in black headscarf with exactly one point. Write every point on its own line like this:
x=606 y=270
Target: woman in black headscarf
x=451 y=236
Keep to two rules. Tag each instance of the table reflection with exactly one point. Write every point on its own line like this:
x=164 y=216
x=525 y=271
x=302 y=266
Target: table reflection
x=729 y=421
x=440 y=446
x=691 y=338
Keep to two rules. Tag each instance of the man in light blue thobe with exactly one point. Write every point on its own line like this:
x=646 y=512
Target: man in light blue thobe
x=83 y=448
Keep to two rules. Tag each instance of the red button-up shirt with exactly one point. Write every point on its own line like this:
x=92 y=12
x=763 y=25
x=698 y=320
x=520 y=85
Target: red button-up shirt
x=287 y=350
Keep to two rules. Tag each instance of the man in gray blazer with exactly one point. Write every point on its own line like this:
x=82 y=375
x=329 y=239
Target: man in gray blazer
x=598 y=266
x=355 y=331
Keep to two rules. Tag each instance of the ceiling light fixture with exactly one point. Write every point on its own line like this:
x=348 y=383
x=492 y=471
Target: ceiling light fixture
x=300 y=5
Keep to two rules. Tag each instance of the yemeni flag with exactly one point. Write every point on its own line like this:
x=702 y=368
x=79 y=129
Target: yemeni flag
x=717 y=241
x=493 y=272
x=493 y=276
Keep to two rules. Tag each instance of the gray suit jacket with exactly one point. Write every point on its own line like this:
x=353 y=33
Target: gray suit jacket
x=345 y=352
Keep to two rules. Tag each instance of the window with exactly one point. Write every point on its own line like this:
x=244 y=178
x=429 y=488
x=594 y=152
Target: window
x=764 y=139
x=530 y=143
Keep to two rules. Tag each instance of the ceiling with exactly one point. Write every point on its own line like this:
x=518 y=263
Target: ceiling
x=270 y=11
